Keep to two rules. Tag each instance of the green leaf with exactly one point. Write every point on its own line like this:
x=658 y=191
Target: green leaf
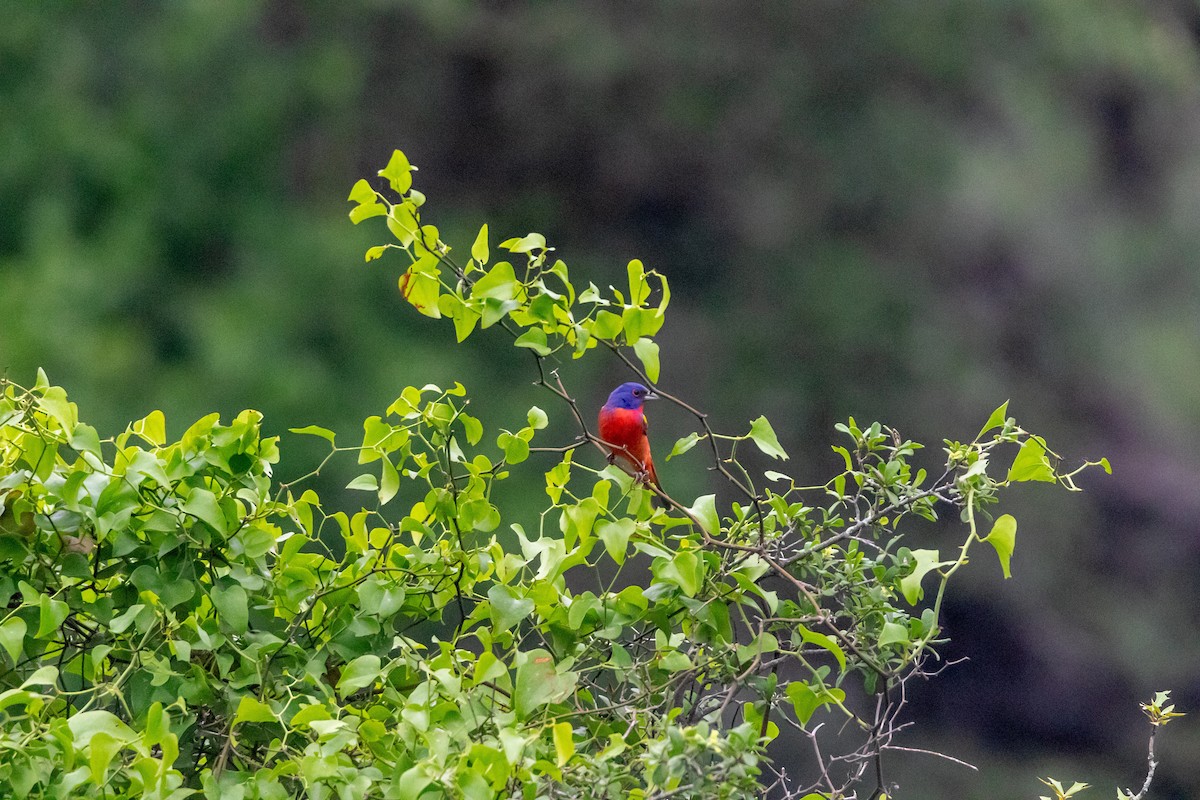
x=542 y=307
x=313 y=711
x=592 y=294
x=526 y=244
x=43 y=676
x=534 y=339
x=705 y=510
x=500 y=283
x=233 y=606
x=639 y=322
x=144 y=464
x=375 y=433
x=998 y=418
x=581 y=606
x=1004 y=538
x=375 y=252
x=639 y=290
x=764 y=436
x=364 y=483
x=101 y=751
x=87 y=724
x=1031 y=463
x=893 y=633
x=615 y=536
x=845 y=454
x=85 y=439
x=473 y=785
x=202 y=504
x=472 y=428
x=910 y=585
x=806 y=700
x=13 y=697
x=537 y=418
x=120 y=623
x=564 y=742
x=465 y=318
x=558 y=477
x=495 y=310
x=51 y=615
x=1105 y=465
x=479 y=250
x=152 y=428
x=402 y=222
x=12 y=637
x=362 y=671
x=380 y=599
x=398 y=173
x=366 y=211
x=389 y=482
x=821 y=640
x=507 y=608
x=606 y=325
x=752 y=713
x=539 y=682
x=421 y=289
x=675 y=661
x=314 y=430
x=576 y=521
x=685 y=570
x=362 y=192
x=515 y=448
x=647 y=353
x=158 y=724
x=683 y=445
x=665 y=300
x=583 y=341
x=413 y=782
x=251 y=709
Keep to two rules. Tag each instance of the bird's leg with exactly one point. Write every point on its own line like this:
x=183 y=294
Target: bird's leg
x=636 y=467
x=623 y=451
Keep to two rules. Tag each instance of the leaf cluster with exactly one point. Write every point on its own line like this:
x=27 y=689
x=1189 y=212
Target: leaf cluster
x=178 y=622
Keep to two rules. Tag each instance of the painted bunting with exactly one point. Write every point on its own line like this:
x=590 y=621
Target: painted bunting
x=623 y=429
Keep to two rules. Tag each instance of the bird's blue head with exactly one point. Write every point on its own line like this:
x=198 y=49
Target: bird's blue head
x=629 y=395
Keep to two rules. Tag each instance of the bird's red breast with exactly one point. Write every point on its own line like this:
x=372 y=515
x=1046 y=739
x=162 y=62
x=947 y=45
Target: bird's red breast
x=624 y=429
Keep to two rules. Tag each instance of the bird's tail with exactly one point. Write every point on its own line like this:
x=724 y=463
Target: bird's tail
x=653 y=476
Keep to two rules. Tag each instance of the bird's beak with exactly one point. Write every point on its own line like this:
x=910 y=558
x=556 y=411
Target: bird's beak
x=650 y=396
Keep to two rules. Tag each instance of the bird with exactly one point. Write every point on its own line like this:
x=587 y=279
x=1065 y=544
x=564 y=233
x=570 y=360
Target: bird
x=622 y=424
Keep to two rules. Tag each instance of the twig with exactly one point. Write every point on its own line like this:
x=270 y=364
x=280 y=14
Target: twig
x=1151 y=765
x=930 y=753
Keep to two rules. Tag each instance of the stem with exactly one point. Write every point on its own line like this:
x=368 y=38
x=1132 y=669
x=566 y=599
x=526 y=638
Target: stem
x=941 y=592
x=1151 y=765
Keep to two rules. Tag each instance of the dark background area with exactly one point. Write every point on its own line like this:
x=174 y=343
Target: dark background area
x=904 y=212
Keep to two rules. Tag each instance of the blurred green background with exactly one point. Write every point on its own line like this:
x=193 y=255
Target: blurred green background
x=898 y=211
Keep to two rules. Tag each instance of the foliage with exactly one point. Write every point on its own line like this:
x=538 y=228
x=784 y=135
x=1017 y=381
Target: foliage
x=857 y=210
x=178 y=621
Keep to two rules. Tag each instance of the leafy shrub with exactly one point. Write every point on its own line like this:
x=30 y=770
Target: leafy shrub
x=177 y=621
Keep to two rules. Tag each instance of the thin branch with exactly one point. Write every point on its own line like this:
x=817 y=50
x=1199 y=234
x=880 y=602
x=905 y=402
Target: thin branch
x=1151 y=765
x=934 y=753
